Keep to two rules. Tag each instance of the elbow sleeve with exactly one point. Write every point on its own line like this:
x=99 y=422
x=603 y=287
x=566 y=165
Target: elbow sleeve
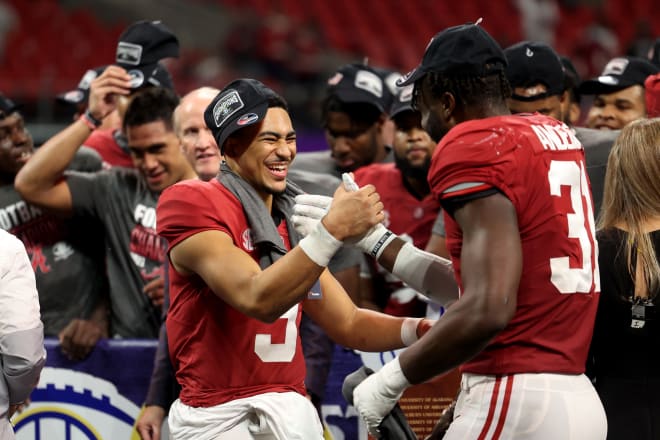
x=430 y=275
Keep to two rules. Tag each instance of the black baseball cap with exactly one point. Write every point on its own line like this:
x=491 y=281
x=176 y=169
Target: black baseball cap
x=389 y=78
x=618 y=74
x=358 y=83
x=141 y=46
x=530 y=63
x=402 y=101
x=459 y=50
x=571 y=75
x=7 y=107
x=81 y=92
x=241 y=103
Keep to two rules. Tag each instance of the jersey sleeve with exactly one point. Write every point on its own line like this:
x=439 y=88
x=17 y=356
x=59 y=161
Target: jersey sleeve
x=89 y=191
x=473 y=163
x=187 y=208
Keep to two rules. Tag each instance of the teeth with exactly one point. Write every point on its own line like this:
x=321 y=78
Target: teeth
x=25 y=155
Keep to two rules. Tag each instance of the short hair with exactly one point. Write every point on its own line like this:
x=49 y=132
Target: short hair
x=486 y=90
x=360 y=113
x=631 y=195
x=151 y=104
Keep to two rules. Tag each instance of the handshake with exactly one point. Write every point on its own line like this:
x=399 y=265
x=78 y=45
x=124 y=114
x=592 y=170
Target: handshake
x=352 y=216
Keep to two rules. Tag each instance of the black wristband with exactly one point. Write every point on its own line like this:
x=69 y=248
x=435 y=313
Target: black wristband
x=95 y=122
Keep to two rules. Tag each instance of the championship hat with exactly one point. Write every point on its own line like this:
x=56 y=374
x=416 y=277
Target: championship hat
x=459 y=50
x=358 y=83
x=241 y=103
x=530 y=63
x=402 y=101
x=81 y=92
x=141 y=46
x=618 y=74
x=389 y=78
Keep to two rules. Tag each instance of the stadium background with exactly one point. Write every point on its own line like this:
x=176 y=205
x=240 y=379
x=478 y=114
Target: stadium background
x=291 y=45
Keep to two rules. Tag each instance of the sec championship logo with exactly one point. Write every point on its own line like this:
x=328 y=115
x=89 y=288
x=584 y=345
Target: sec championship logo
x=72 y=405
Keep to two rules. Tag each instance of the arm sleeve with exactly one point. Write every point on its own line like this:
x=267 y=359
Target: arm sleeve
x=21 y=331
x=163 y=387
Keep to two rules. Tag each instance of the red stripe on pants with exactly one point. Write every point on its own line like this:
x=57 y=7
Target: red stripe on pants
x=491 y=410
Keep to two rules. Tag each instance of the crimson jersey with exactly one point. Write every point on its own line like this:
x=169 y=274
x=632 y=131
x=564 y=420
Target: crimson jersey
x=405 y=215
x=105 y=142
x=220 y=354
x=538 y=164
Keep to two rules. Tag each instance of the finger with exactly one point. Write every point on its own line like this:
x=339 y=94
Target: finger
x=145 y=433
x=313 y=200
x=309 y=211
x=349 y=182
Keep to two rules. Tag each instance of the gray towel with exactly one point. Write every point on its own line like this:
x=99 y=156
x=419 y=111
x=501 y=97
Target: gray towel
x=264 y=230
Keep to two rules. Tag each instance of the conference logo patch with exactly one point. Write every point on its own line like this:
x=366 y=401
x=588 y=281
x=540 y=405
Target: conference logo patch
x=69 y=404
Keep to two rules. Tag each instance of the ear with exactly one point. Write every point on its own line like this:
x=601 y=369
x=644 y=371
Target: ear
x=448 y=105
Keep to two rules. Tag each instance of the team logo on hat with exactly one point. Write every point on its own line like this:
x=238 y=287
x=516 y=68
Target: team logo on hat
x=137 y=78
x=128 y=53
x=616 y=67
x=406 y=93
x=529 y=52
x=247 y=119
x=226 y=106
x=87 y=79
x=370 y=82
x=73 y=96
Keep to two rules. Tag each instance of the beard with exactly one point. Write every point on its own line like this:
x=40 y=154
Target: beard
x=417 y=172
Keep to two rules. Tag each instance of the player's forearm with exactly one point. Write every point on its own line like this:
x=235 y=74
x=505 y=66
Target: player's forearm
x=463 y=331
x=279 y=287
x=47 y=165
x=368 y=330
x=427 y=273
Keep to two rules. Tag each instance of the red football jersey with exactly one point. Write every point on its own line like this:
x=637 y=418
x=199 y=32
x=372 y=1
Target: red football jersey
x=405 y=215
x=538 y=164
x=220 y=354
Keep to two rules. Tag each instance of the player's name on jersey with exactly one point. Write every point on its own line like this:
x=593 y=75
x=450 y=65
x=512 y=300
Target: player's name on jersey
x=556 y=137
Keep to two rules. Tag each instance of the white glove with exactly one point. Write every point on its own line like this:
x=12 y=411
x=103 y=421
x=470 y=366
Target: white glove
x=375 y=397
x=308 y=211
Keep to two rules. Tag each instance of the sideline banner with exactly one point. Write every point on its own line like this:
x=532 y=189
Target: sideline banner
x=100 y=397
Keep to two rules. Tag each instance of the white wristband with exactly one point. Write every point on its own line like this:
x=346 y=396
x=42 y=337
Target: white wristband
x=320 y=246
x=376 y=240
x=409 y=331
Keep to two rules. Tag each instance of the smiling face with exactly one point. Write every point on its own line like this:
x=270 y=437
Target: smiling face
x=156 y=153
x=615 y=110
x=262 y=153
x=16 y=146
x=196 y=139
